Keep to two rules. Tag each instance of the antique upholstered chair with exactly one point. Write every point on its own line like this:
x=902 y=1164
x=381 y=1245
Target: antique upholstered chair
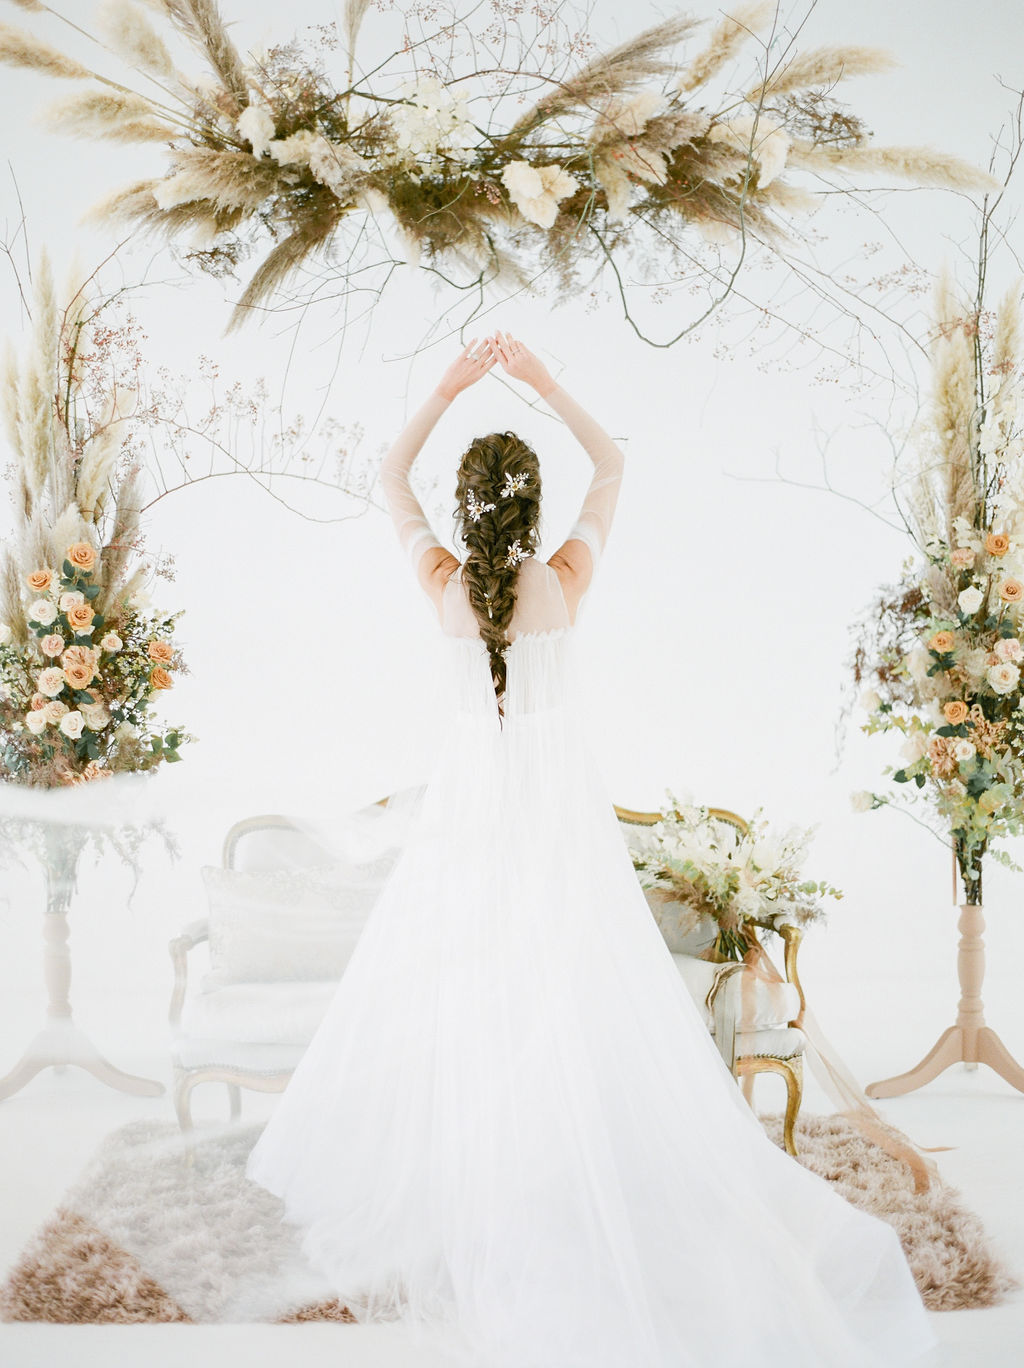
x=770 y=1039
x=284 y=916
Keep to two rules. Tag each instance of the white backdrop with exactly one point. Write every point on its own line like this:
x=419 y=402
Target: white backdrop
x=717 y=630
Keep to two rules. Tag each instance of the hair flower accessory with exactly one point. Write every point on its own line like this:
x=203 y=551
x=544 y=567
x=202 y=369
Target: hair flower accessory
x=515 y=554
x=514 y=483
x=475 y=507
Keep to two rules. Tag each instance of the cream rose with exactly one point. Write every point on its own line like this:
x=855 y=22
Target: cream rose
x=1009 y=648
x=50 y=681
x=55 y=710
x=36 y=722
x=1004 y=678
x=80 y=616
x=870 y=700
x=39 y=581
x=964 y=750
x=69 y=598
x=71 y=724
x=160 y=651
x=862 y=801
x=95 y=714
x=52 y=645
x=42 y=611
x=111 y=642
x=81 y=555
x=970 y=600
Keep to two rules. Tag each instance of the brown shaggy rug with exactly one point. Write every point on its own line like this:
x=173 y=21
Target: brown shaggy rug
x=151 y=1234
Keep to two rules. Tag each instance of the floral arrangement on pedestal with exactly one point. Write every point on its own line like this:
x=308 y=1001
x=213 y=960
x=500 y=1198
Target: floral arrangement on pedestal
x=83 y=658
x=940 y=655
x=632 y=146
x=742 y=879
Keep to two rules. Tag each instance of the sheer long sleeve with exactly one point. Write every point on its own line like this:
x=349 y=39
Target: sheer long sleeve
x=414 y=531
x=595 y=516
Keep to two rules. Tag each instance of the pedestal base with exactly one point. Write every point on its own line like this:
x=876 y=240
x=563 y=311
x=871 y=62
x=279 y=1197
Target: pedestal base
x=61 y=1042
x=970 y=1041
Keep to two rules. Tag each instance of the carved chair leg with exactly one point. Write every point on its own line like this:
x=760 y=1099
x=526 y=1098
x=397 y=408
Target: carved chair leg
x=183 y=1101
x=792 y=1071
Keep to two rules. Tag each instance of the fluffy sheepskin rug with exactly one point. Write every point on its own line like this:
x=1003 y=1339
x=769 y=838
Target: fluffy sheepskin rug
x=155 y=1230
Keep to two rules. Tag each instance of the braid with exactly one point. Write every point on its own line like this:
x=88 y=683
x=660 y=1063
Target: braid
x=503 y=522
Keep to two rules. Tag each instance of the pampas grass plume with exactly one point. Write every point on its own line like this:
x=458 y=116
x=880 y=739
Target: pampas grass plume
x=726 y=40
x=18 y=48
x=131 y=35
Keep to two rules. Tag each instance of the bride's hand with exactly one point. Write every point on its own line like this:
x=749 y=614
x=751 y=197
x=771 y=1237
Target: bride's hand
x=519 y=362
x=467 y=368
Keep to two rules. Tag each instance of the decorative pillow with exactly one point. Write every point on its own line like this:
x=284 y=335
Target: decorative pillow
x=273 y=924
x=686 y=931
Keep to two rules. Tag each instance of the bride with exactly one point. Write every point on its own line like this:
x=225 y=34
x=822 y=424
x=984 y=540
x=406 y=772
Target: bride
x=512 y=1128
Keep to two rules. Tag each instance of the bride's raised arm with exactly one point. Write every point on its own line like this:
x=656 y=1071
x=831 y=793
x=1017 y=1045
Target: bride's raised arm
x=432 y=563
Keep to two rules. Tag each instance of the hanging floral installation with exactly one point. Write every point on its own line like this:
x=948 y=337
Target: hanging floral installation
x=83 y=658
x=638 y=154
x=940 y=654
x=743 y=881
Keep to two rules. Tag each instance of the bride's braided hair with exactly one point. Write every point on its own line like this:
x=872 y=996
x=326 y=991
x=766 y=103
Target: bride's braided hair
x=499 y=529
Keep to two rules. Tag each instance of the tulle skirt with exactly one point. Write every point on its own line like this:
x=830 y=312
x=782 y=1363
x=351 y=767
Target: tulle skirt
x=513 y=1128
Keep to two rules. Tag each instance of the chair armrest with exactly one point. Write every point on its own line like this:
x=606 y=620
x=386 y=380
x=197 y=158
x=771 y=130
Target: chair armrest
x=792 y=936
x=192 y=935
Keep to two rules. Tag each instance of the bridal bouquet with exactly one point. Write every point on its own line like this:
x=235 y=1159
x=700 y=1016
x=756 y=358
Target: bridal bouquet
x=633 y=141
x=743 y=879
x=82 y=658
x=940 y=655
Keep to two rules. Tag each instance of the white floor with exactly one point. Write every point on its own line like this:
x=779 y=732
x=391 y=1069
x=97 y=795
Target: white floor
x=49 y=1129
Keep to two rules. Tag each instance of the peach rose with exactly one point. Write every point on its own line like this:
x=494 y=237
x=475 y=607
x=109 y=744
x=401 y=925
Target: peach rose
x=159 y=678
x=39 y=580
x=941 y=642
x=955 y=712
x=80 y=616
x=79 y=666
x=37 y=701
x=52 y=645
x=962 y=557
x=160 y=651
x=997 y=543
x=1011 y=591
x=81 y=556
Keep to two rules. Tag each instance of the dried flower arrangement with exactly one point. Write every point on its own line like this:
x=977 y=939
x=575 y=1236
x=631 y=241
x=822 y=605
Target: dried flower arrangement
x=630 y=151
x=940 y=654
x=82 y=658
x=742 y=881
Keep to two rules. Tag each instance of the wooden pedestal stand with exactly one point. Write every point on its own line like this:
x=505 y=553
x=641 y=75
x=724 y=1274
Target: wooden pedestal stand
x=60 y=1042
x=970 y=1041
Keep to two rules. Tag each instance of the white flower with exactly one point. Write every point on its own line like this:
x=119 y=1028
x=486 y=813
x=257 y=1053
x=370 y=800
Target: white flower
x=50 y=681
x=95 y=714
x=1009 y=648
x=768 y=144
x=432 y=119
x=5 y=634
x=297 y=148
x=70 y=599
x=1003 y=678
x=42 y=611
x=970 y=600
x=870 y=700
x=536 y=190
x=54 y=711
x=914 y=747
x=964 y=750
x=111 y=642
x=256 y=125
x=862 y=801
x=35 y=721
x=71 y=724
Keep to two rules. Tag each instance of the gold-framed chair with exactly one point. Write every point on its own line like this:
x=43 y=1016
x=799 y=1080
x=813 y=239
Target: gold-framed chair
x=766 y=1046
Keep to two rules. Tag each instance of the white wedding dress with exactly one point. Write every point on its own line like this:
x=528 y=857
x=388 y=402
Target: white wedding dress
x=512 y=1128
